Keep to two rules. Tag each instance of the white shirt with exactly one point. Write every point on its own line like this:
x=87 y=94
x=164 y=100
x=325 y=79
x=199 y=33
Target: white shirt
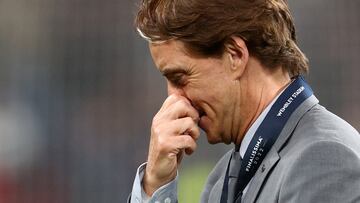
x=251 y=132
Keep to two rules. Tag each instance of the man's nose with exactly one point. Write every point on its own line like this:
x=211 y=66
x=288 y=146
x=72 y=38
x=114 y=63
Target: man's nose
x=175 y=90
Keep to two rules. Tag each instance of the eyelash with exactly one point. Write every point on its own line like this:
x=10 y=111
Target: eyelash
x=177 y=80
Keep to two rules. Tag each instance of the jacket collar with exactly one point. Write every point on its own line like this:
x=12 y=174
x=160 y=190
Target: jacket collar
x=273 y=156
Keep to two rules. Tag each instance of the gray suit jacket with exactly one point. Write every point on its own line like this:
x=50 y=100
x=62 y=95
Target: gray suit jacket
x=315 y=159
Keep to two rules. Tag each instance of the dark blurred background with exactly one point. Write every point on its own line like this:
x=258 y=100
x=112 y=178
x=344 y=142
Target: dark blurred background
x=78 y=90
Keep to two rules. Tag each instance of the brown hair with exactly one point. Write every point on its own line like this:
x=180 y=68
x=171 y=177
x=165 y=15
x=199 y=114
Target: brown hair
x=204 y=26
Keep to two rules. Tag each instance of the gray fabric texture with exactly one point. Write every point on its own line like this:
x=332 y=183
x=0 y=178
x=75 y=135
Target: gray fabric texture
x=315 y=159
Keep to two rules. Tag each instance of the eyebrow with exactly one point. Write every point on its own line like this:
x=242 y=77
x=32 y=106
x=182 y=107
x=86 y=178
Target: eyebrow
x=171 y=71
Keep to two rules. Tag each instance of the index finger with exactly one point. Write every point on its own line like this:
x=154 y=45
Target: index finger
x=173 y=98
x=183 y=109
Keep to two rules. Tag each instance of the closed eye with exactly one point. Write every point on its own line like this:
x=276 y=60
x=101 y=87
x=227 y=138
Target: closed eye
x=176 y=76
x=177 y=79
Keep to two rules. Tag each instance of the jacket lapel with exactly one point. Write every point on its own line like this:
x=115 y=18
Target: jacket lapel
x=273 y=157
x=261 y=174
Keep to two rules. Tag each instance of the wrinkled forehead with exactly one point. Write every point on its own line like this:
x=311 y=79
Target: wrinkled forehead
x=168 y=54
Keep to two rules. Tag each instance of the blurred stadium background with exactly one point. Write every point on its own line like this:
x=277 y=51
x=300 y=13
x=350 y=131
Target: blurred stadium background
x=78 y=91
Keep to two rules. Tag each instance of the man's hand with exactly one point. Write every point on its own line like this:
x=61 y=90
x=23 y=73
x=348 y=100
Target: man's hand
x=174 y=131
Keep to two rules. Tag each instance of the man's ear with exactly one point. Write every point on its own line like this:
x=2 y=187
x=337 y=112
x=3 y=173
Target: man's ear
x=238 y=54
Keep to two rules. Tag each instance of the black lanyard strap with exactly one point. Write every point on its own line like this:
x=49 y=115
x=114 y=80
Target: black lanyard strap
x=267 y=133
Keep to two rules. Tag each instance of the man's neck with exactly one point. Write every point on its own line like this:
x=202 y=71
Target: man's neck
x=258 y=92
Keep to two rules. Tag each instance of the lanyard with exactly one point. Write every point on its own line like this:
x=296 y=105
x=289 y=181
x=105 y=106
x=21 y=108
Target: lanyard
x=267 y=133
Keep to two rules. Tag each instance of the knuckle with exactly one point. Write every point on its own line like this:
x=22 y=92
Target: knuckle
x=196 y=131
x=195 y=134
x=183 y=102
x=184 y=99
x=192 y=145
x=170 y=97
x=154 y=121
x=180 y=103
x=173 y=97
x=161 y=141
x=189 y=121
x=188 y=140
x=156 y=130
x=157 y=121
x=157 y=118
x=162 y=145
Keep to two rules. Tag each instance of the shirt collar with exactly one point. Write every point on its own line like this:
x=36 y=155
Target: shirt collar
x=251 y=132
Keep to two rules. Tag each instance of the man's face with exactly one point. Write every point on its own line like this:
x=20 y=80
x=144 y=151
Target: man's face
x=205 y=81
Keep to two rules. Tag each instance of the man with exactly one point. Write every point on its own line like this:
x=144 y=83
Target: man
x=233 y=69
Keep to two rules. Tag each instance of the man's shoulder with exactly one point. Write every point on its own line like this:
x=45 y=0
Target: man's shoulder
x=321 y=151
x=319 y=124
x=321 y=118
x=321 y=128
